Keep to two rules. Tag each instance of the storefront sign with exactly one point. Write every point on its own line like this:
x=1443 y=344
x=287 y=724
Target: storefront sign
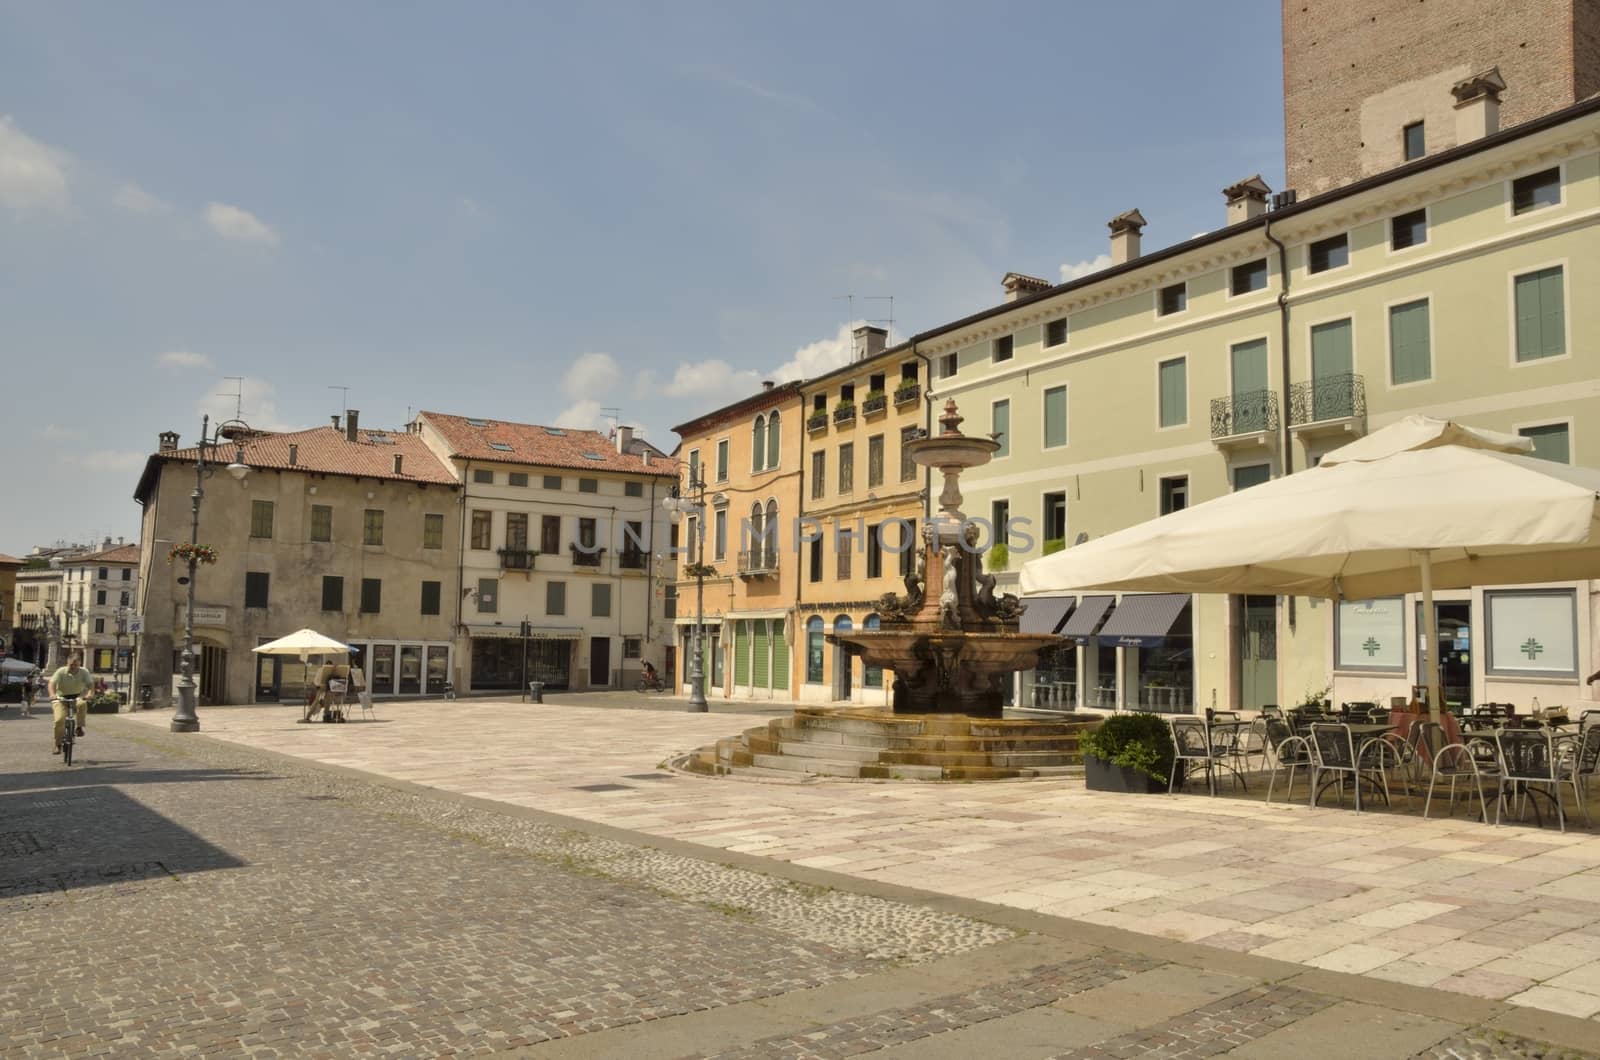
x=1370 y=635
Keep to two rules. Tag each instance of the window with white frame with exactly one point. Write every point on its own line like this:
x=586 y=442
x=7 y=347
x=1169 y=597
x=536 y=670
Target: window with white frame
x=1410 y=343
x=1002 y=349
x=1000 y=425
x=1055 y=417
x=1536 y=191
x=1551 y=441
x=1055 y=332
x=1540 y=307
x=1532 y=633
x=1370 y=635
x=1172 y=380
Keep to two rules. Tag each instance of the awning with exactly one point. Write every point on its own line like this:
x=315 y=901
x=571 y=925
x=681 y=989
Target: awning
x=515 y=632
x=1142 y=621
x=1088 y=615
x=1045 y=613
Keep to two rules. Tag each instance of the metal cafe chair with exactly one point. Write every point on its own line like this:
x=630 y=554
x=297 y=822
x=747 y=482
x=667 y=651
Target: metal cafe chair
x=1334 y=750
x=1287 y=750
x=1455 y=762
x=1191 y=739
x=1528 y=767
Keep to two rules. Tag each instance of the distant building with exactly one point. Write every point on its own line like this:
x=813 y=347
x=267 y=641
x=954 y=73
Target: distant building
x=350 y=531
x=101 y=589
x=9 y=605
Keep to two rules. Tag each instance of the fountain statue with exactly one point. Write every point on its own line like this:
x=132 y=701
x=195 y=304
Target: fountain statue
x=952 y=650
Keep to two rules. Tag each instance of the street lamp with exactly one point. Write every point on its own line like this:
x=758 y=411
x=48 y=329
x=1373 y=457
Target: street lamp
x=695 y=504
x=185 y=719
x=116 y=660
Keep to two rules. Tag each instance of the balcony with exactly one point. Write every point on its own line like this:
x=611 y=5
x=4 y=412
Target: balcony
x=817 y=422
x=632 y=559
x=874 y=403
x=1245 y=419
x=907 y=395
x=1333 y=405
x=517 y=558
x=590 y=558
x=844 y=414
x=759 y=563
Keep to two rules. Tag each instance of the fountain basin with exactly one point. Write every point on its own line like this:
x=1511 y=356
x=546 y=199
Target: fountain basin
x=948 y=671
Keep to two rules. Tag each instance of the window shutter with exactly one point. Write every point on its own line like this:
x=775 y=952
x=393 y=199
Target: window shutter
x=1552 y=314
x=1409 y=343
x=1529 y=344
x=1174 y=384
x=780 y=656
x=741 y=653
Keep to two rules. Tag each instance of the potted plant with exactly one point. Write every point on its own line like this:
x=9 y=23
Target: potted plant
x=699 y=570
x=874 y=401
x=844 y=410
x=906 y=390
x=1053 y=545
x=817 y=420
x=184 y=552
x=999 y=556
x=1129 y=753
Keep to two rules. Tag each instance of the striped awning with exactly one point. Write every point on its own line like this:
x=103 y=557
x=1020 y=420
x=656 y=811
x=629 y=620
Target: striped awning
x=515 y=632
x=1046 y=613
x=1143 y=620
x=1087 y=617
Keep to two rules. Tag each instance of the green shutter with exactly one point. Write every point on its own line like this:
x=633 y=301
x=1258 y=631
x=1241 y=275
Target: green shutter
x=760 y=646
x=741 y=653
x=1410 y=358
x=1174 y=386
x=780 y=656
x=1331 y=360
x=1055 y=416
x=1541 y=315
x=1249 y=367
x=1002 y=427
x=1550 y=442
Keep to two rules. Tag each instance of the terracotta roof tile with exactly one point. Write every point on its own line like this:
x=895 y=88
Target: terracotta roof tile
x=116 y=554
x=9 y=560
x=326 y=450
x=473 y=438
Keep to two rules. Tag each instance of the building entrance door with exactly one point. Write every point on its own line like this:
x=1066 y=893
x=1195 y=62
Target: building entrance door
x=1258 y=652
x=1455 y=651
x=213 y=674
x=599 y=662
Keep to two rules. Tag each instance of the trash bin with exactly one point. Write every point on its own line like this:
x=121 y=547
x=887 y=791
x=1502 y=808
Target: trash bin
x=536 y=691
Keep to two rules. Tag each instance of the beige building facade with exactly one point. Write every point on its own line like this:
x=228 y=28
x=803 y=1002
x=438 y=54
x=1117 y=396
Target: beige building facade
x=101 y=589
x=350 y=531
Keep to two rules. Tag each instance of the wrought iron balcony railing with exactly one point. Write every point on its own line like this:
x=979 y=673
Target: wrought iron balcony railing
x=1334 y=397
x=759 y=561
x=590 y=558
x=632 y=559
x=517 y=558
x=844 y=414
x=906 y=394
x=875 y=403
x=817 y=421
x=1248 y=412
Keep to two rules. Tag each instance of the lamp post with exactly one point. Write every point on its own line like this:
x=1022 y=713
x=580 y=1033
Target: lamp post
x=695 y=504
x=116 y=660
x=184 y=719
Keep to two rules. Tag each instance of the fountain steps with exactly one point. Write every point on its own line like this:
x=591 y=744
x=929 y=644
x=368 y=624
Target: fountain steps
x=880 y=745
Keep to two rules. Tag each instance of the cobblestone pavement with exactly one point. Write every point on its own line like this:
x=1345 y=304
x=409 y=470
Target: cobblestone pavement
x=178 y=895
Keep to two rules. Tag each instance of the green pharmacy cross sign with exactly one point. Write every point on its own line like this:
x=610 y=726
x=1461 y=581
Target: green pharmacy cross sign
x=1371 y=646
x=1532 y=648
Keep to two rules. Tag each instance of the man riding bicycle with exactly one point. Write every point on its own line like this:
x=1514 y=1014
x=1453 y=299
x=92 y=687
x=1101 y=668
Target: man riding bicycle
x=71 y=680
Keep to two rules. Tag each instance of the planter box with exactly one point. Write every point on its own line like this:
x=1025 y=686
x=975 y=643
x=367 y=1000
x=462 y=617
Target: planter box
x=1100 y=775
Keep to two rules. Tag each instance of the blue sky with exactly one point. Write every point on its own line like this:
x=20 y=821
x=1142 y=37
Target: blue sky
x=534 y=212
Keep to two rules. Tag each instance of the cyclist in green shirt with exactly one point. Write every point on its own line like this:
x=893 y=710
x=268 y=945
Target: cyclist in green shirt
x=71 y=679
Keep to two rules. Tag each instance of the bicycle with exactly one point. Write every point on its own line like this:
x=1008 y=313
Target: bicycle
x=647 y=684
x=69 y=728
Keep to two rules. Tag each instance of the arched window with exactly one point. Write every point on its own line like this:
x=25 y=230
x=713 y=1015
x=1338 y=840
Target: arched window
x=754 y=541
x=769 y=532
x=814 y=646
x=772 y=440
x=871 y=676
x=758 y=444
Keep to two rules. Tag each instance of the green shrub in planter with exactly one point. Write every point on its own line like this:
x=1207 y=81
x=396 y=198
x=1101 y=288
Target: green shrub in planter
x=104 y=703
x=1140 y=742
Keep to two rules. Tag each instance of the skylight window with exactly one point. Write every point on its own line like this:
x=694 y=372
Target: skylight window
x=379 y=439
x=593 y=456
x=477 y=423
x=555 y=432
x=501 y=446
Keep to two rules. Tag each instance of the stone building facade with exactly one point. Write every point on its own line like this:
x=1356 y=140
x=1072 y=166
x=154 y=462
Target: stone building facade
x=1359 y=75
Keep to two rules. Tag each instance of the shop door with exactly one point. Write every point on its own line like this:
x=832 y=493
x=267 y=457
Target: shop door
x=213 y=674
x=411 y=670
x=269 y=678
x=381 y=679
x=438 y=669
x=1258 y=652
x=599 y=662
x=1455 y=651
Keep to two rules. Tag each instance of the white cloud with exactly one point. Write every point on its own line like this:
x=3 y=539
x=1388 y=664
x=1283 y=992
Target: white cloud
x=720 y=76
x=106 y=461
x=183 y=359
x=135 y=199
x=820 y=357
x=231 y=222
x=1074 y=270
x=257 y=404
x=32 y=175
x=56 y=432
x=583 y=416
x=709 y=379
x=591 y=375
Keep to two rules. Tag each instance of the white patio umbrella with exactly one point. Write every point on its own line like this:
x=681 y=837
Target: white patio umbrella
x=1423 y=504
x=304 y=643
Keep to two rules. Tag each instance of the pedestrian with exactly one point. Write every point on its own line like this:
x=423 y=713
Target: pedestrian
x=30 y=688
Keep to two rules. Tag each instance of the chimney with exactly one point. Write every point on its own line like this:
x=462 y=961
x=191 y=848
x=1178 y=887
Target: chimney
x=868 y=341
x=767 y=384
x=167 y=442
x=644 y=457
x=1478 y=105
x=294 y=454
x=351 y=418
x=1018 y=285
x=398 y=461
x=335 y=420
x=1246 y=199
x=624 y=438
x=1125 y=228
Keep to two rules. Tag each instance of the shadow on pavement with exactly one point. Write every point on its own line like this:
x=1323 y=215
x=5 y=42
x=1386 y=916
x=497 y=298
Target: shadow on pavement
x=67 y=839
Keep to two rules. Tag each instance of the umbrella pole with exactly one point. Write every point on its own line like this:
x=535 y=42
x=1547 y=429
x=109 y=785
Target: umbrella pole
x=1430 y=627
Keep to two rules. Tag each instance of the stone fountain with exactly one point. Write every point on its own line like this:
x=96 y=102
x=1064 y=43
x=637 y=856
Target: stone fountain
x=954 y=647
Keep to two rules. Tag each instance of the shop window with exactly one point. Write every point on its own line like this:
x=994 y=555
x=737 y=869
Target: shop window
x=1532 y=633
x=1370 y=635
x=814 y=650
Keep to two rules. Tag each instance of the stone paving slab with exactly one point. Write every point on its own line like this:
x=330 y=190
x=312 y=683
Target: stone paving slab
x=1448 y=903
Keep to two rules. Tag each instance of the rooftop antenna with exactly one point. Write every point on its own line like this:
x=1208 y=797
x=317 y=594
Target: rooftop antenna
x=344 y=399
x=614 y=416
x=238 y=395
x=887 y=321
x=850 y=307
